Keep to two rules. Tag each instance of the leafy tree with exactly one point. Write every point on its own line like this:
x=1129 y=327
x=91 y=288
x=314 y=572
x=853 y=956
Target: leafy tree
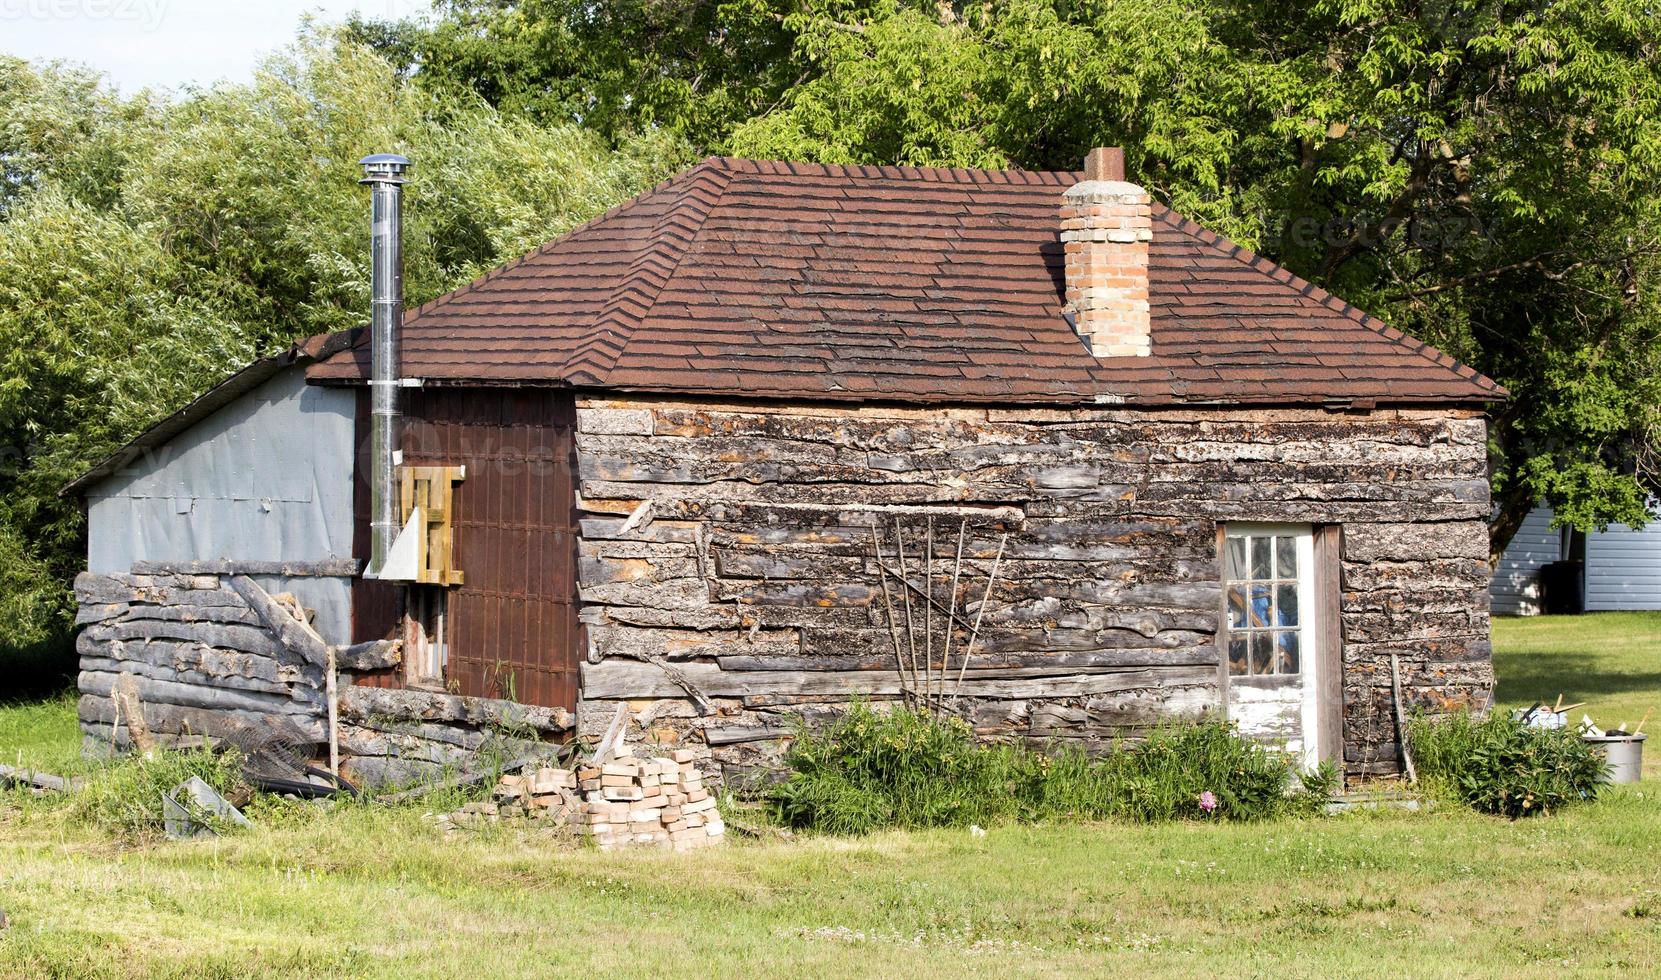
x=690 y=67
x=151 y=247
x=1475 y=172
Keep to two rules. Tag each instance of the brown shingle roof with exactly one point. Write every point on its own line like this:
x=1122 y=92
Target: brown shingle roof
x=787 y=280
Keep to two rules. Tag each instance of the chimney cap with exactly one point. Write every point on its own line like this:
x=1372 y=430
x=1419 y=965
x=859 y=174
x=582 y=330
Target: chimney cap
x=1105 y=163
x=383 y=167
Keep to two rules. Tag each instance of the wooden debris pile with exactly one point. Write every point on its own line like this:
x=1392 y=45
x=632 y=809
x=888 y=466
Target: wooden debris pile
x=625 y=802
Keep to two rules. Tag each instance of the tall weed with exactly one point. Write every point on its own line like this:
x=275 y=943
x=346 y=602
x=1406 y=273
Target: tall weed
x=125 y=798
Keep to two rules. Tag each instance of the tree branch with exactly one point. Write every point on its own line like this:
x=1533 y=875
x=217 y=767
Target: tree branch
x=1537 y=262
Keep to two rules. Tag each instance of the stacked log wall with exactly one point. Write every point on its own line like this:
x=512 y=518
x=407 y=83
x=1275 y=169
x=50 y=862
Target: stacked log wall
x=747 y=593
x=214 y=656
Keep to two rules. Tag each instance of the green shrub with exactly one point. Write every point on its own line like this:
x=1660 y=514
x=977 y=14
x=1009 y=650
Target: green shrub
x=125 y=798
x=867 y=771
x=1164 y=777
x=1499 y=765
x=901 y=769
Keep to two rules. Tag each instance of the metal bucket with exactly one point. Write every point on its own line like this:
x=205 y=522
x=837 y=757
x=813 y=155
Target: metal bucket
x=1624 y=753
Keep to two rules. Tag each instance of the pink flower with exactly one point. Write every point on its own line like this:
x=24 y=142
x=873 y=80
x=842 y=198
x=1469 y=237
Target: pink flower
x=1208 y=801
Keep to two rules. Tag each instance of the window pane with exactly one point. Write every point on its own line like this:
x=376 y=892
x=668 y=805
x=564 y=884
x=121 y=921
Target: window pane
x=1288 y=644
x=1286 y=605
x=1237 y=654
x=1236 y=551
x=1236 y=607
x=1260 y=606
x=1263 y=647
x=1286 y=557
x=1260 y=557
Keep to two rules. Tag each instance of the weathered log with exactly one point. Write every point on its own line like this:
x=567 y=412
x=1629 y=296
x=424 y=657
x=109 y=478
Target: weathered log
x=644 y=644
x=765 y=593
x=292 y=633
x=626 y=680
x=636 y=571
x=1415 y=541
x=154 y=691
x=664 y=532
x=460 y=736
x=247 y=639
x=97 y=713
x=92 y=588
x=237 y=615
x=19 y=776
x=359 y=703
x=373 y=655
x=100 y=612
x=736 y=734
x=204 y=660
x=1060 y=662
x=235 y=682
x=325 y=568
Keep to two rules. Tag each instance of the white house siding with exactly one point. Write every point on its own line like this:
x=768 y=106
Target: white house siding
x=266 y=478
x=1515 y=590
x=1623 y=568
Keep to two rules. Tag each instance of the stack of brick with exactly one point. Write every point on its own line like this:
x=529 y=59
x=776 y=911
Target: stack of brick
x=546 y=792
x=656 y=802
x=546 y=795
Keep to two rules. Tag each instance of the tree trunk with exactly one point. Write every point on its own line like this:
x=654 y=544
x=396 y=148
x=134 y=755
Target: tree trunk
x=1513 y=508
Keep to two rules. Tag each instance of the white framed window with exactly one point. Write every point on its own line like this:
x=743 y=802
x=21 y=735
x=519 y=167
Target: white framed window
x=1269 y=598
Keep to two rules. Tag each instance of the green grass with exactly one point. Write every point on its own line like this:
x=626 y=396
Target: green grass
x=1440 y=894
x=42 y=734
x=1611 y=661
x=371 y=892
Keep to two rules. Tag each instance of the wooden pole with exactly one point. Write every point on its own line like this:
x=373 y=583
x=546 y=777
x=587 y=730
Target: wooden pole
x=888 y=605
x=905 y=594
x=115 y=722
x=951 y=609
x=1401 y=721
x=332 y=692
x=986 y=597
x=928 y=600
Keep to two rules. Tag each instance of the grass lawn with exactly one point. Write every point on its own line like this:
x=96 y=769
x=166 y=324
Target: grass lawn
x=42 y=734
x=379 y=893
x=1611 y=661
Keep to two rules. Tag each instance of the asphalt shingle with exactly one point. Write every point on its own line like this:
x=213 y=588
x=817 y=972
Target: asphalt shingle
x=806 y=281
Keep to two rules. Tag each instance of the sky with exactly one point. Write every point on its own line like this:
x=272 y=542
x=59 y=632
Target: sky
x=169 y=43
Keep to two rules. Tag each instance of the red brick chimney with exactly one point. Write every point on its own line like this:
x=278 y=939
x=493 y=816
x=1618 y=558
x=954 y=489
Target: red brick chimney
x=1106 y=225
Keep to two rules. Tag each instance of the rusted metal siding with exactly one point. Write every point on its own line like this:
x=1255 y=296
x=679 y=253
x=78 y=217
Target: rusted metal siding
x=511 y=628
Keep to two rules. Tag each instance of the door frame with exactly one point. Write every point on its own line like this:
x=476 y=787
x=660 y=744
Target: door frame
x=1320 y=721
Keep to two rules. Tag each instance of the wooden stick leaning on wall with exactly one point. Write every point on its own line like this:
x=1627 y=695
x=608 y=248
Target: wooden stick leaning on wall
x=138 y=727
x=985 y=599
x=928 y=601
x=888 y=606
x=332 y=692
x=905 y=595
x=1401 y=719
x=951 y=608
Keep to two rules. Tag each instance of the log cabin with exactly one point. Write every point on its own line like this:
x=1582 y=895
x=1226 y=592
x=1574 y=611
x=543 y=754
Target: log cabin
x=1025 y=446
